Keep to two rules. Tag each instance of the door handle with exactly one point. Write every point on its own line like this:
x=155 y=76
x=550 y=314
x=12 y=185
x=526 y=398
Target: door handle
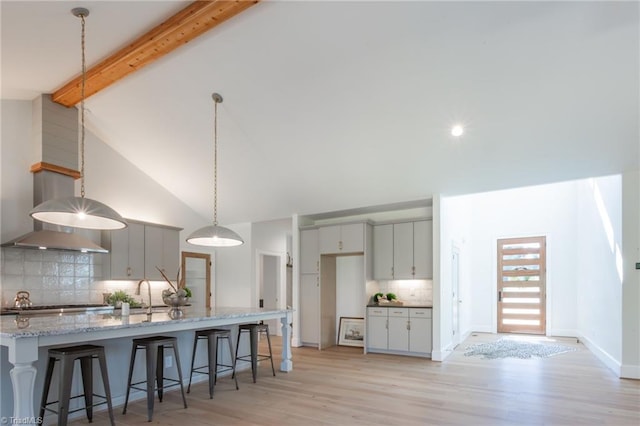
x=500 y=296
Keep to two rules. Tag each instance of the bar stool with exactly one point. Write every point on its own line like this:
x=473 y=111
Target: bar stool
x=67 y=357
x=254 y=357
x=154 y=347
x=213 y=336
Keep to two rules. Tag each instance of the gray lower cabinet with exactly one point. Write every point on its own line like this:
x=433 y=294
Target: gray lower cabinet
x=397 y=330
x=376 y=333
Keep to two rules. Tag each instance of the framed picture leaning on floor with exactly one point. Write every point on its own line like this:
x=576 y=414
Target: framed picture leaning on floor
x=351 y=332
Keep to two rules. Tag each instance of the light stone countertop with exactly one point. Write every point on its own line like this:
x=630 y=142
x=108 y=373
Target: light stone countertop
x=23 y=326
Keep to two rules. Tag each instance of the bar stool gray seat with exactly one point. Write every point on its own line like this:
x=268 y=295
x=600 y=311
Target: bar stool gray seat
x=213 y=367
x=254 y=357
x=154 y=347
x=67 y=357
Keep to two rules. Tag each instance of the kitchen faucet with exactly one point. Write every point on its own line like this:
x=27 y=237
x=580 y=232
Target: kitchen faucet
x=148 y=288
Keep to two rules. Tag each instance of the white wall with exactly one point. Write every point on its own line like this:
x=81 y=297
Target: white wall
x=598 y=277
x=234 y=275
x=548 y=210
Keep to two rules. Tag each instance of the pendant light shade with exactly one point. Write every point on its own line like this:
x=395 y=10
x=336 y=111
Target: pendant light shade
x=79 y=212
x=215 y=235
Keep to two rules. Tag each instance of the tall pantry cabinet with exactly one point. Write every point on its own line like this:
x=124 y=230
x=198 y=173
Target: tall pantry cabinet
x=320 y=247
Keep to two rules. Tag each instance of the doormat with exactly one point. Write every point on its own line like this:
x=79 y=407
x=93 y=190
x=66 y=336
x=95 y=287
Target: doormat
x=507 y=348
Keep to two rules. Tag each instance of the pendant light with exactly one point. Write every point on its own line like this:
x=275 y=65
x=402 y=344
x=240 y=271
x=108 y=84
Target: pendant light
x=79 y=212
x=215 y=235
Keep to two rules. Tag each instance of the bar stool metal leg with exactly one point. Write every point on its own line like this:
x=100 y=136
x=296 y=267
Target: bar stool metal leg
x=87 y=382
x=177 y=355
x=132 y=362
x=193 y=360
x=102 y=360
x=273 y=370
x=233 y=361
x=47 y=384
x=212 y=356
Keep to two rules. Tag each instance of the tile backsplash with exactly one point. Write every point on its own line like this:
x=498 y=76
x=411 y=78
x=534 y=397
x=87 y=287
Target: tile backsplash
x=50 y=276
x=62 y=277
x=411 y=292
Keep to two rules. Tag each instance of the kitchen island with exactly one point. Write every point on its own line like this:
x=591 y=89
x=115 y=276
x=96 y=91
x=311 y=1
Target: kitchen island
x=23 y=336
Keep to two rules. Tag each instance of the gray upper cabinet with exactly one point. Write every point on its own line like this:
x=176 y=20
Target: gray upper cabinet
x=412 y=250
x=383 y=252
x=338 y=239
x=423 y=249
x=403 y=251
x=161 y=250
x=403 y=262
x=309 y=252
x=135 y=251
x=126 y=248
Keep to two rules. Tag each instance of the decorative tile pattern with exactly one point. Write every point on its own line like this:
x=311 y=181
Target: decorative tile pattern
x=50 y=276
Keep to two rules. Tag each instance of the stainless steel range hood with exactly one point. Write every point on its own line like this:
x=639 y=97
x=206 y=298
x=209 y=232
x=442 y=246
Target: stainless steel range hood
x=55 y=130
x=55 y=240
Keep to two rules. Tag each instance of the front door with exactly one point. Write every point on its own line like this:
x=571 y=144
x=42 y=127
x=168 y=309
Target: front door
x=522 y=285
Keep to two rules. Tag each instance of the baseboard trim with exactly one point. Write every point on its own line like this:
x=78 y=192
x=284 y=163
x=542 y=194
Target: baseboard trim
x=602 y=355
x=563 y=333
x=630 y=372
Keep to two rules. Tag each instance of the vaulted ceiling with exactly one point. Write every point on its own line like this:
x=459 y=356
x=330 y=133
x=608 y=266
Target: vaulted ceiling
x=340 y=105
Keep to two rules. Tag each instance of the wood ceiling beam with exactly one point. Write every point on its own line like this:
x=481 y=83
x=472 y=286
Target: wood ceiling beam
x=192 y=21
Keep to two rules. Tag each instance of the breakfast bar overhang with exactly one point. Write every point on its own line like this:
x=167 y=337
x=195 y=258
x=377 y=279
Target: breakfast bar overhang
x=24 y=336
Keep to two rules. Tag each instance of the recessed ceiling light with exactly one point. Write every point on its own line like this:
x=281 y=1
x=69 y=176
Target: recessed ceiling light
x=457 y=130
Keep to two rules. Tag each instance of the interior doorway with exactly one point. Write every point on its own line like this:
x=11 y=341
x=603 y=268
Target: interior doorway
x=522 y=285
x=455 y=296
x=271 y=287
x=196 y=270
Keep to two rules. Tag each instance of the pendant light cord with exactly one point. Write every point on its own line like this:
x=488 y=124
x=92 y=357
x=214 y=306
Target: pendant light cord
x=82 y=95
x=216 y=99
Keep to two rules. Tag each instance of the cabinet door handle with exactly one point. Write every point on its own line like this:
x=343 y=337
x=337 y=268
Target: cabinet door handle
x=340 y=245
x=413 y=270
x=392 y=271
x=128 y=271
x=408 y=325
x=386 y=324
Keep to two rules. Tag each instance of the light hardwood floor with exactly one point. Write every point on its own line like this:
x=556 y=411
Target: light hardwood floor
x=341 y=386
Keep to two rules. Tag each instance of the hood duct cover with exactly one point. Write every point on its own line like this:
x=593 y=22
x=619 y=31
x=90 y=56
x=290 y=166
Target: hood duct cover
x=55 y=129
x=55 y=240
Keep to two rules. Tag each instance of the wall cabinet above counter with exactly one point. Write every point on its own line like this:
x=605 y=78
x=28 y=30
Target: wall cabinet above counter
x=341 y=239
x=134 y=252
x=403 y=250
